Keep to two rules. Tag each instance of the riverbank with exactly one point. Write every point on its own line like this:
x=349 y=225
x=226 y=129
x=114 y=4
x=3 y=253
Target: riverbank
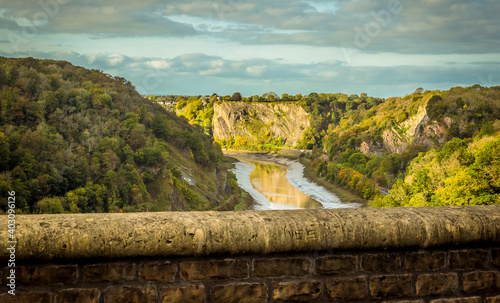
x=246 y=200
x=343 y=194
x=296 y=176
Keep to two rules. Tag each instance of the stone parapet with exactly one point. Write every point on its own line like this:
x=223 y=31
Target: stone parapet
x=71 y=236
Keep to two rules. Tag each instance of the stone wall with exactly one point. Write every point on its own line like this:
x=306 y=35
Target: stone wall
x=440 y=254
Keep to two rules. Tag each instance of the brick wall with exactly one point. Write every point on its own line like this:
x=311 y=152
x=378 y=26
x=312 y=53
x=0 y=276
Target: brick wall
x=435 y=255
x=430 y=275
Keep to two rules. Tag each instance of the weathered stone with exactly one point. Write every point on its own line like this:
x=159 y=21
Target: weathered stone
x=280 y=267
x=425 y=261
x=336 y=265
x=437 y=284
x=78 y=295
x=47 y=275
x=183 y=294
x=385 y=262
x=213 y=270
x=120 y=294
x=297 y=291
x=469 y=259
x=347 y=288
x=239 y=293
x=480 y=281
x=158 y=271
x=251 y=232
x=458 y=300
x=492 y=299
x=234 y=118
x=495 y=253
x=26 y=297
x=390 y=286
x=108 y=272
x=405 y=301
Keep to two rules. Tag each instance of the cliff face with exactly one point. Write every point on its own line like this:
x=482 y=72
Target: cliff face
x=260 y=120
x=417 y=130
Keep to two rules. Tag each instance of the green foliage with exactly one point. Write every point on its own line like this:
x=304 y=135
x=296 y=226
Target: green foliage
x=436 y=107
x=78 y=140
x=459 y=174
x=49 y=206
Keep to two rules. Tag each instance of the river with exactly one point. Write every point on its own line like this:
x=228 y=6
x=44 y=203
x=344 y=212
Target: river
x=279 y=183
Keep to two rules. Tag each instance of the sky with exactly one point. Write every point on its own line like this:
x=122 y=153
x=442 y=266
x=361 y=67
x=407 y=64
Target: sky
x=380 y=47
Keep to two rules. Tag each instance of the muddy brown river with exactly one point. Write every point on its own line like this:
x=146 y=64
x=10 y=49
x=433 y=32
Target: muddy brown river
x=279 y=183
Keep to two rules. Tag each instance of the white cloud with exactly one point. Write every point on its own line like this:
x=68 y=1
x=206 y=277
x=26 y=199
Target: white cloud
x=329 y=74
x=159 y=64
x=115 y=59
x=256 y=70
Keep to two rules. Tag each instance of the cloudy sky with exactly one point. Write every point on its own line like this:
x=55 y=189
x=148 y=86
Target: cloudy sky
x=380 y=47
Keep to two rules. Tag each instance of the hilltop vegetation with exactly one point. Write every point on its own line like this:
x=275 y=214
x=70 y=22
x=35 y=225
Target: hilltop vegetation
x=461 y=173
x=384 y=145
x=78 y=140
x=372 y=142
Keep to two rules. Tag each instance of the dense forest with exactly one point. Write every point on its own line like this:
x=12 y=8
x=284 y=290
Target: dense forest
x=460 y=122
x=426 y=146
x=78 y=140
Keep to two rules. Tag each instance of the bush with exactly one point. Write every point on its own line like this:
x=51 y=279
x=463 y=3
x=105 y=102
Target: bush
x=49 y=206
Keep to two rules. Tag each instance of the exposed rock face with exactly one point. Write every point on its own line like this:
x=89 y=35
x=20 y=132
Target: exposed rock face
x=253 y=120
x=417 y=130
x=394 y=142
x=370 y=148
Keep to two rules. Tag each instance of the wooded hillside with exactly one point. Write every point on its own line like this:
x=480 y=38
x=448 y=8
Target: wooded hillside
x=78 y=140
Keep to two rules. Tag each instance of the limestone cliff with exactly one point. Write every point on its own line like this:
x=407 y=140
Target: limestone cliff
x=417 y=130
x=260 y=120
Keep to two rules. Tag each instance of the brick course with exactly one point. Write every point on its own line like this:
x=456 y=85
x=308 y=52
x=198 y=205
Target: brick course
x=336 y=265
x=109 y=272
x=78 y=295
x=425 y=261
x=390 y=286
x=380 y=262
x=423 y=276
x=302 y=291
x=481 y=281
x=347 y=289
x=239 y=293
x=437 y=284
x=183 y=294
x=213 y=270
x=158 y=271
x=468 y=259
x=280 y=267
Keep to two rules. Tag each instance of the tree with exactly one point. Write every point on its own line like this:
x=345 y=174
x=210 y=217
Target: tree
x=161 y=126
x=236 y=97
x=271 y=96
x=49 y=206
x=5 y=152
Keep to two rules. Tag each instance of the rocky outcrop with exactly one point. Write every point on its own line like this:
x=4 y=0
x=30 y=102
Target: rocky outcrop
x=254 y=120
x=370 y=148
x=417 y=130
x=394 y=142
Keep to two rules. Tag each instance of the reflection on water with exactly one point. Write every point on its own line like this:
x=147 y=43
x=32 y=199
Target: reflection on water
x=270 y=180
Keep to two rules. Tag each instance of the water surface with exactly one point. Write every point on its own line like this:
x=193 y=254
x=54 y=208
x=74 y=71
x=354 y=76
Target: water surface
x=279 y=183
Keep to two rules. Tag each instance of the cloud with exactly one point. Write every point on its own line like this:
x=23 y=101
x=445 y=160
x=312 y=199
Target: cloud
x=101 y=19
x=422 y=26
x=202 y=74
x=418 y=26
